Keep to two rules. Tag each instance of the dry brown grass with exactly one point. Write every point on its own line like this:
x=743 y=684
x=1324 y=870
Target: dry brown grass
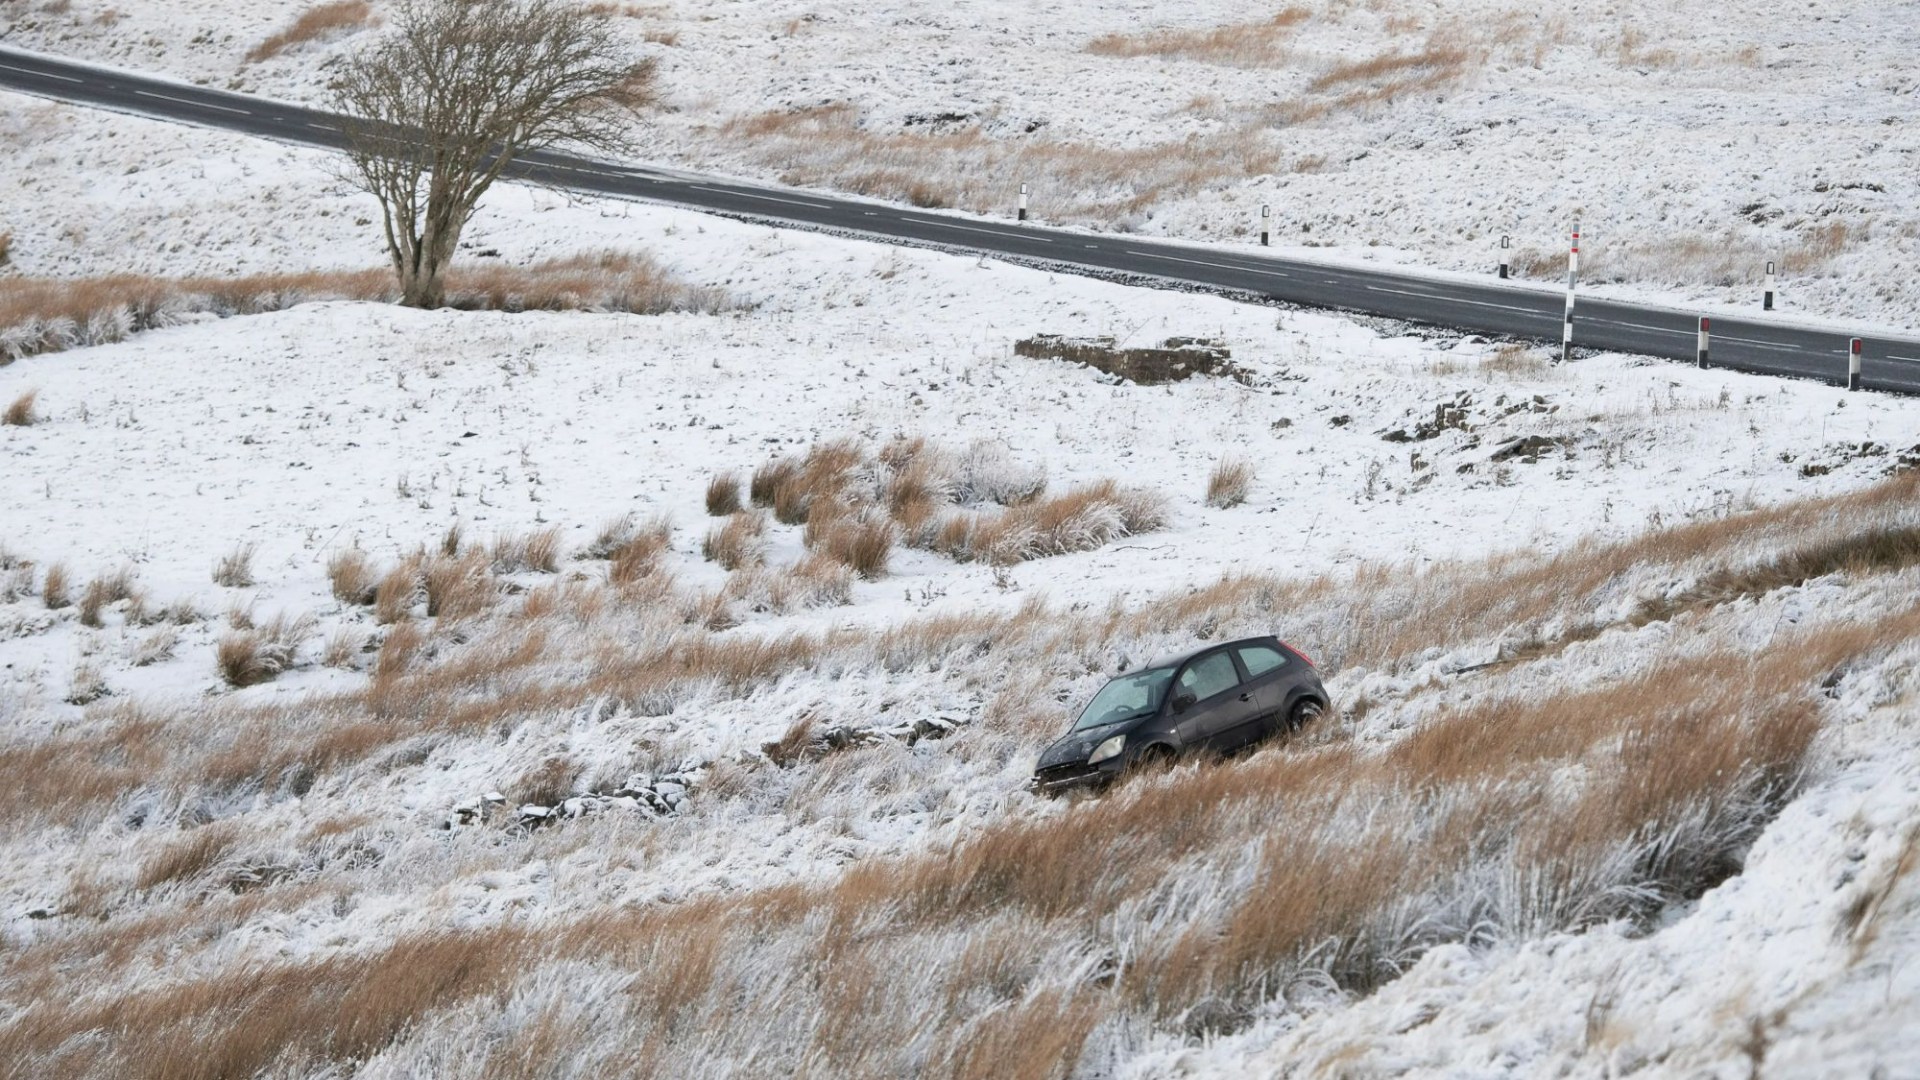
x=343 y=648
x=350 y=577
x=53 y=590
x=1228 y=484
x=399 y=590
x=20 y=413
x=459 y=587
x=738 y=543
x=967 y=168
x=1085 y=518
x=103 y=592
x=863 y=545
x=723 y=495
x=1492 y=816
x=235 y=569
x=250 y=657
x=1254 y=44
x=639 y=557
x=1368 y=859
x=194 y=854
x=6 y=248
x=322 y=20
x=1724 y=259
x=46 y=315
x=537 y=551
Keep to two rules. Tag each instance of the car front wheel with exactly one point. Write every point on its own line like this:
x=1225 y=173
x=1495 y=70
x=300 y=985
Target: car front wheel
x=1151 y=761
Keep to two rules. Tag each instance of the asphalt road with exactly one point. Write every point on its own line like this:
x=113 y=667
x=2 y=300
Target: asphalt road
x=1768 y=345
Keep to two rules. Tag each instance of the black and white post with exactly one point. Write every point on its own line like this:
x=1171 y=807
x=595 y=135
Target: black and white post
x=1704 y=328
x=1506 y=242
x=1266 y=217
x=1573 y=280
x=1853 y=364
x=1767 y=304
x=1023 y=202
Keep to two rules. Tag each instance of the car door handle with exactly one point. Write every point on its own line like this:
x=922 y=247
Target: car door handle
x=1246 y=697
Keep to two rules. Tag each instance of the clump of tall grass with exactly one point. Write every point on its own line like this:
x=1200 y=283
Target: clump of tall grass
x=1229 y=483
x=249 y=657
x=21 y=413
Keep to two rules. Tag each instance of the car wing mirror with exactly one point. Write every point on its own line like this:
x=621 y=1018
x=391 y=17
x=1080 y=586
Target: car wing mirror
x=1183 y=701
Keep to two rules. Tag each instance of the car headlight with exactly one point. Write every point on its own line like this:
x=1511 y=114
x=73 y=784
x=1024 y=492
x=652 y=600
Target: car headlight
x=1109 y=749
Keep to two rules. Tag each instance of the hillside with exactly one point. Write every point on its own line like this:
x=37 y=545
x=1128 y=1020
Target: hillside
x=400 y=713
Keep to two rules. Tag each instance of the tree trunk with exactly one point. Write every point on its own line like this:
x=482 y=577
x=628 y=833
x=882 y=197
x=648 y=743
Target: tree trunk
x=422 y=283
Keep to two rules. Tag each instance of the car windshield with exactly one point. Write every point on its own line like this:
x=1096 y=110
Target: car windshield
x=1125 y=698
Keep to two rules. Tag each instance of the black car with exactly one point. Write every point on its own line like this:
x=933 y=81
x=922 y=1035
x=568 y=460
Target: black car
x=1219 y=698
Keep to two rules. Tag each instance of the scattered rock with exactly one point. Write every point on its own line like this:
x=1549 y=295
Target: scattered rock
x=649 y=796
x=1173 y=360
x=1528 y=448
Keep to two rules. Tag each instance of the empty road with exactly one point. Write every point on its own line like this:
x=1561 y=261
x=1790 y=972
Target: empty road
x=1759 y=344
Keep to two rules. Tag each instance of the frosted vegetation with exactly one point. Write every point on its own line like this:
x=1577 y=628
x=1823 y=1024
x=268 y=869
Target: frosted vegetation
x=638 y=672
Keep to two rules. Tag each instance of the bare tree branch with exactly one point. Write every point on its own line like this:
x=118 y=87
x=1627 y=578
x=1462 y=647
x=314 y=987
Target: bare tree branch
x=459 y=90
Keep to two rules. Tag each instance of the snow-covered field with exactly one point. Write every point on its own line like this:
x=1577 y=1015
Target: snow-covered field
x=176 y=842
x=1695 y=142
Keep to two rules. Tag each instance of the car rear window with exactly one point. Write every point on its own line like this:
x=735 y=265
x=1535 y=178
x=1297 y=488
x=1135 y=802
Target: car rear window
x=1207 y=677
x=1261 y=659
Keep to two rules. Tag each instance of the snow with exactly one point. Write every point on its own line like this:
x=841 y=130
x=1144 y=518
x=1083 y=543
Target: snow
x=1694 y=145
x=333 y=425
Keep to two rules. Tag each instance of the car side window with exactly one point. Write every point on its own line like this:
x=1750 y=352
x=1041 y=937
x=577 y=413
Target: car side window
x=1209 y=676
x=1261 y=659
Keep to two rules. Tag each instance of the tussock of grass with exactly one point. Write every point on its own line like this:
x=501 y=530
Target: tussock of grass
x=537 y=551
x=250 y=657
x=350 y=577
x=1228 y=484
x=399 y=590
x=235 y=569
x=723 y=495
x=459 y=587
x=103 y=592
x=53 y=590
x=738 y=543
x=20 y=413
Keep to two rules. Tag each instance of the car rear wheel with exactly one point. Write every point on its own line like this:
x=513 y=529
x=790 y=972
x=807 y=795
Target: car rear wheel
x=1304 y=713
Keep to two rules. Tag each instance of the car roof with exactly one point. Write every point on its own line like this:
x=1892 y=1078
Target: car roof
x=1182 y=657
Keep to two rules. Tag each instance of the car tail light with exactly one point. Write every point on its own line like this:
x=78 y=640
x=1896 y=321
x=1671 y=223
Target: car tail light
x=1301 y=655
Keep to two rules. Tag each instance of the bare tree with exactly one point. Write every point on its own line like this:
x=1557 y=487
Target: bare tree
x=460 y=89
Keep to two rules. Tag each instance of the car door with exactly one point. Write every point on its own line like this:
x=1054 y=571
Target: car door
x=1220 y=704
x=1265 y=666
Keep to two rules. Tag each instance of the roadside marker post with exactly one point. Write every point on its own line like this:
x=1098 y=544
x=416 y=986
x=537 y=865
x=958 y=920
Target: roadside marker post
x=1853 y=364
x=1023 y=202
x=1767 y=304
x=1705 y=326
x=1506 y=242
x=1266 y=213
x=1573 y=279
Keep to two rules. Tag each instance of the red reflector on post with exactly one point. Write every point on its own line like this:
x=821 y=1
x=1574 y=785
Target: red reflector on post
x=1706 y=324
